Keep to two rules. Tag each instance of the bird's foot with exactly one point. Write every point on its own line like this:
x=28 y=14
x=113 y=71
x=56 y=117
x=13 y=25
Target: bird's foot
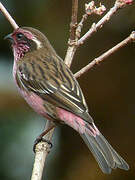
x=41 y=139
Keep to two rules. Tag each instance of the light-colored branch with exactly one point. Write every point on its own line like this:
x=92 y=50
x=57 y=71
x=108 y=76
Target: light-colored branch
x=69 y=55
x=101 y=58
x=73 y=38
x=118 y=4
x=41 y=152
x=40 y=156
x=8 y=16
x=80 y=25
x=73 y=23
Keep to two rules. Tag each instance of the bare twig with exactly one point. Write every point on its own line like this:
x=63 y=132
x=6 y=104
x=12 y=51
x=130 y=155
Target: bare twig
x=101 y=58
x=73 y=23
x=73 y=38
x=8 y=16
x=118 y=4
x=69 y=56
x=74 y=44
x=80 y=25
x=90 y=9
x=42 y=150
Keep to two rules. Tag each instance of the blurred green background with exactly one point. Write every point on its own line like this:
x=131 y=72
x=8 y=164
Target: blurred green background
x=109 y=90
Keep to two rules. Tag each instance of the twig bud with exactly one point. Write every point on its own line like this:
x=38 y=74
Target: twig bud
x=90 y=8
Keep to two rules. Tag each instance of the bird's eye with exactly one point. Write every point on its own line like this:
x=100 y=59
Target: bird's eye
x=19 y=36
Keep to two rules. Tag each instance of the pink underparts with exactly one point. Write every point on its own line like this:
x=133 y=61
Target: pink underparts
x=77 y=123
x=35 y=102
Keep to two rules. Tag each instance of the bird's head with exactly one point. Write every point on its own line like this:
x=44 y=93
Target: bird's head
x=27 y=39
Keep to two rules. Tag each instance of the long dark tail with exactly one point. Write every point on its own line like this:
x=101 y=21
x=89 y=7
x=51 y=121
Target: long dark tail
x=103 y=152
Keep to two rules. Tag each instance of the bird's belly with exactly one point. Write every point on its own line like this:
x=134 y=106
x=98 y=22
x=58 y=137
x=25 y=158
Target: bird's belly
x=35 y=102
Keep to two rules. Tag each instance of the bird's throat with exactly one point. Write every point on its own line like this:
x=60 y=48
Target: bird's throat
x=19 y=51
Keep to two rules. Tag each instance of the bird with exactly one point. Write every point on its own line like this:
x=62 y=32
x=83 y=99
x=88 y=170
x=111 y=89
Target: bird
x=50 y=88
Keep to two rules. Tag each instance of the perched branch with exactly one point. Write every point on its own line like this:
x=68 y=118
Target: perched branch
x=101 y=58
x=118 y=4
x=41 y=152
x=73 y=38
x=8 y=16
x=40 y=156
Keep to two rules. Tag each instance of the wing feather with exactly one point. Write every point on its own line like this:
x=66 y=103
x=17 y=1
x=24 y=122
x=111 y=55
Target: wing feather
x=56 y=84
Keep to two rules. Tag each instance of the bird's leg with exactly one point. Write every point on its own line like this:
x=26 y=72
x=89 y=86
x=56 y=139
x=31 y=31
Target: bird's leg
x=40 y=137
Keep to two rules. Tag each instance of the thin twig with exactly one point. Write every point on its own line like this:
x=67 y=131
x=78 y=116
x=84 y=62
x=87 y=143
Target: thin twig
x=118 y=4
x=90 y=8
x=73 y=23
x=73 y=38
x=70 y=55
x=80 y=25
x=101 y=58
x=8 y=16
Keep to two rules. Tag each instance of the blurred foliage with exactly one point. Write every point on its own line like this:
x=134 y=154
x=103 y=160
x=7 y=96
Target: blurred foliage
x=109 y=90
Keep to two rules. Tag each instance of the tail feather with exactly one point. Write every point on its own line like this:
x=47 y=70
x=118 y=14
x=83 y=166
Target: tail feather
x=121 y=163
x=99 y=156
x=103 y=152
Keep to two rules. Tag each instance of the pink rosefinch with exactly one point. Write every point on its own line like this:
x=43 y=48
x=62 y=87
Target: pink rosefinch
x=51 y=89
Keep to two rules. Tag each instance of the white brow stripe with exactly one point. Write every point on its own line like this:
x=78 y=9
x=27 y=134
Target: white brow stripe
x=37 y=42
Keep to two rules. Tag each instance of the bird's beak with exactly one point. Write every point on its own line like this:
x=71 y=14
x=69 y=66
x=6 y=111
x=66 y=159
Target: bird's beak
x=9 y=37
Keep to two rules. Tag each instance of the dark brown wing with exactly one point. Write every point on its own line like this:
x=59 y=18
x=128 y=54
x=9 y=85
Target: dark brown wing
x=52 y=80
